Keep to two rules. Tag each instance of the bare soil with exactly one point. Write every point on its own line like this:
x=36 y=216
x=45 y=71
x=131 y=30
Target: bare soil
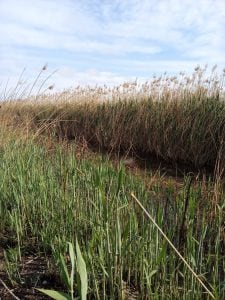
x=34 y=274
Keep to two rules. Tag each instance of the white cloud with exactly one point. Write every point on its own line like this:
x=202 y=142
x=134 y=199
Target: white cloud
x=121 y=38
x=183 y=25
x=64 y=78
x=89 y=77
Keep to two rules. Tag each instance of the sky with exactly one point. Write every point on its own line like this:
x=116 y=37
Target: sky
x=108 y=42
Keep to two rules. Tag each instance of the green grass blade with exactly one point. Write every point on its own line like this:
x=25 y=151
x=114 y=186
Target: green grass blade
x=65 y=274
x=72 y=259
x=81 y=267
x=55 y=295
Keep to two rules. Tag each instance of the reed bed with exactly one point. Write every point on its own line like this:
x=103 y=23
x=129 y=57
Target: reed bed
x=177 y=119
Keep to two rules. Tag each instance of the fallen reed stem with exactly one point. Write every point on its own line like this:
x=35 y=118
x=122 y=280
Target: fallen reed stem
x=11 y=293
x=172 y=246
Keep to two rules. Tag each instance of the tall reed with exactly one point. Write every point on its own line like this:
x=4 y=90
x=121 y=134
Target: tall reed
x=178 y=119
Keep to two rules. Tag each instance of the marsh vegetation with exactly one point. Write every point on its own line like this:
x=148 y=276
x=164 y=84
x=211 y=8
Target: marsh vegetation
x=54 y=189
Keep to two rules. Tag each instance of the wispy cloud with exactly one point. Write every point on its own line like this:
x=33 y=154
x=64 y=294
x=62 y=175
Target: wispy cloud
x=117 y=39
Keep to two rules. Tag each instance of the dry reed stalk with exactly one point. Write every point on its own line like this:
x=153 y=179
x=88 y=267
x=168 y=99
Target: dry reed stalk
x=172 y=246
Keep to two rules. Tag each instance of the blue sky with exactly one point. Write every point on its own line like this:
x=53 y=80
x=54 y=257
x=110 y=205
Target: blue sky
x=97 y=42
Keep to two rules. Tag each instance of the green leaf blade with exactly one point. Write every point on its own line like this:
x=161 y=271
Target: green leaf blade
x=55 y=295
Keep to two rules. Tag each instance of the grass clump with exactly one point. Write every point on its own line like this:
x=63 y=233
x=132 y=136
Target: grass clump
x=49 y=198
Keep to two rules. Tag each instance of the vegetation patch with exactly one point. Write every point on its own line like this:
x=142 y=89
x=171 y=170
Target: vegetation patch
x=69 y=219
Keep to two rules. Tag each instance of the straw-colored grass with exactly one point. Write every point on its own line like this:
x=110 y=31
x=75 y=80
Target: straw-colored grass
x=176 y=119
